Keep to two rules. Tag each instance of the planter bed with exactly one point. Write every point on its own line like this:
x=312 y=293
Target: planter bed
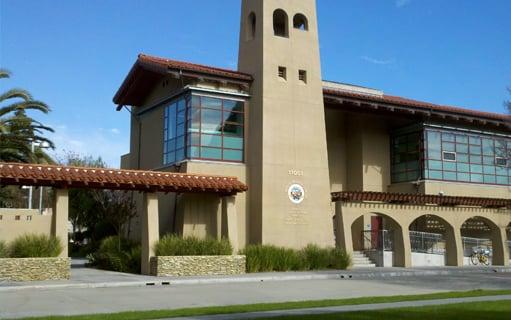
x=197 y=265
x=34 y=269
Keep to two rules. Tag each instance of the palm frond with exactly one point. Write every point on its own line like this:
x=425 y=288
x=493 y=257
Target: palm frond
x=4 y=73
x=16 y=93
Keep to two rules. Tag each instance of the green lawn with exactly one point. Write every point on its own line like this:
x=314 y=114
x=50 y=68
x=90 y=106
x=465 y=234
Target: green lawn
x=157 y=314
x=474 y=310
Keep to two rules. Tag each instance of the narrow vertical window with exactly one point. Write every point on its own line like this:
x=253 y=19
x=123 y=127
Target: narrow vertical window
x=302 y=76
x=251 y=26
x=283 y=73
x=300 y=22
x=280 y=23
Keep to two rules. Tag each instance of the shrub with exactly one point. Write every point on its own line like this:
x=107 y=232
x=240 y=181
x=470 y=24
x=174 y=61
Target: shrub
x=173 y=245
x=3 y=250
x=35 y=246
x=117 y=254
x=264 y=258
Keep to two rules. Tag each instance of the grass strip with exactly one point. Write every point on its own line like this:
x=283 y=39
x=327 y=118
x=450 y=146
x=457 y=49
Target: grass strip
x=189 y=312
x=494 y=310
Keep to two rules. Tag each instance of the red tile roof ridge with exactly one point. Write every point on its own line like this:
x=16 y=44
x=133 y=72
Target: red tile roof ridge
x=49 y=167
x=193 y=66
x=400 y=194
x=419 y=104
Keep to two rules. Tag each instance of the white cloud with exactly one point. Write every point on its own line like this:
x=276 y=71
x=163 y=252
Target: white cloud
x=377 y=61
x=95 y=142
x=402 y=3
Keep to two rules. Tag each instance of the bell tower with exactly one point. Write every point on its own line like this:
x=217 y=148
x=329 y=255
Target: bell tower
x=289 y=196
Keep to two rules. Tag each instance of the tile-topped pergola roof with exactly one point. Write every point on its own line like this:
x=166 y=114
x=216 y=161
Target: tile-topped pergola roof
x=99 y=178
x=419 y=199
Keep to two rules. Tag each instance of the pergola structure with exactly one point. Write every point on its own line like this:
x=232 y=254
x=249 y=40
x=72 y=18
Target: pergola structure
x=150 y=183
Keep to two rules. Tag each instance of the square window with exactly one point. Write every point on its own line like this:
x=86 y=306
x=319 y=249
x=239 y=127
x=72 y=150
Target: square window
x=501 y=161
x=29 y=218
x=449 y=156
x=302 y=76
x=17 y=218
x=282 y=73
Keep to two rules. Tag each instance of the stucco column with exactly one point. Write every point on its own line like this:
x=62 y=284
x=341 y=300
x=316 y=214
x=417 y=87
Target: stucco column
x=454 y=246
x=150 y=230
x=219 y=214
x=402 y=248
x=499 y=247
x=343 y=230
x=59 y=219
x=229 y=211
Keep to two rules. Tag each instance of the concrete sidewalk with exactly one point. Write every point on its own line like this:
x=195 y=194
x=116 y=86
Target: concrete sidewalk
x=82 y=277
x=362 y=307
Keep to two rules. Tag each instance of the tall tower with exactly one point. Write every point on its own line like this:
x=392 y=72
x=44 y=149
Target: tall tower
x=289 y=196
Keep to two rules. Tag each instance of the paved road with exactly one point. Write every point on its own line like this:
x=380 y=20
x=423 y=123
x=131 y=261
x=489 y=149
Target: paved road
x=341 y=309
x=72 y=301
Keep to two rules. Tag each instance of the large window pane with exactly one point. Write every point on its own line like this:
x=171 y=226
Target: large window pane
x=231 y=105
x=211 y=121
x=233 y=155
x=211 y=153
x=233 y=142
x=211 y=140
x=211 y=103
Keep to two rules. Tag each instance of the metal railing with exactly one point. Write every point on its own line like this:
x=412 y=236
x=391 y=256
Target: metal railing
x=425 y=242
x=472 y=244
x=381 y=240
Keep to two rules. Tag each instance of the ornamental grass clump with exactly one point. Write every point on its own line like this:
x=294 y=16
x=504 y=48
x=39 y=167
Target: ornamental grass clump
x=117 y=254
x=3 y=250
x=267 y=258
x=35 y=246
x=174 y=245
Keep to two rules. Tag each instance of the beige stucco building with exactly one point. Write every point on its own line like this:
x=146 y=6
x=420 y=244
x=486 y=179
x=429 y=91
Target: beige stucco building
x=325 y=162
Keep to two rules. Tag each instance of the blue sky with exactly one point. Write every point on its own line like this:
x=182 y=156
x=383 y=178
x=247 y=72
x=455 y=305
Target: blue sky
x=75 y=54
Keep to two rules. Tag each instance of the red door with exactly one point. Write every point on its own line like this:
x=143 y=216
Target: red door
x=376 y=231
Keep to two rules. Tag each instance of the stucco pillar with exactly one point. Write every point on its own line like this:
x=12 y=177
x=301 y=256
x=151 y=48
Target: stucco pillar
x=59 y=219
x=229 y=211
x=219 y=214
x=343 y=230
x=454 y=246
x=499 y=247
x=150 y=230
x=402 y=248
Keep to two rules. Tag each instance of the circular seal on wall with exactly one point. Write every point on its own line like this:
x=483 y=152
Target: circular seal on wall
x=296 y=193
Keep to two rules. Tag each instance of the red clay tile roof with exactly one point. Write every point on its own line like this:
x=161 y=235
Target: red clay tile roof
x=187 y=66
x=98 y=178
x=148 y=70
x=419 y=199
x=424 y=106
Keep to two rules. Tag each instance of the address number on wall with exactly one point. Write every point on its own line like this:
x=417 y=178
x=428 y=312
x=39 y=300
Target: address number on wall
x=297 y=173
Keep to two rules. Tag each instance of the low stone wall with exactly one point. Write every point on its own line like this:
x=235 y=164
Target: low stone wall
x=197 y=265
x=34 y=269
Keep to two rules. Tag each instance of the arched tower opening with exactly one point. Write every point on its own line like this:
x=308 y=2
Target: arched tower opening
x=280 y=23
x=300 y=22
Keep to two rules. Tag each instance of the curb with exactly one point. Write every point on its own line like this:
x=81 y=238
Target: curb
x=343 y=275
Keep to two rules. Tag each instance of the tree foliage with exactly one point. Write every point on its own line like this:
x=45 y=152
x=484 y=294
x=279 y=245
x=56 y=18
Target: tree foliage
x=18 y=130
x=101 y=212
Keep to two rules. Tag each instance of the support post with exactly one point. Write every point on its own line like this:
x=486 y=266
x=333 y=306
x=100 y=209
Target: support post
x=499 y=244
x=150 y=230
x=219 y=214
x=59 y=219
x=454 y=246
x=402 y=248
x=343 y=230
x=229 y=211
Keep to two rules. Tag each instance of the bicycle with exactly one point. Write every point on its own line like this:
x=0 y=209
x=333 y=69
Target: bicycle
x=480 y=256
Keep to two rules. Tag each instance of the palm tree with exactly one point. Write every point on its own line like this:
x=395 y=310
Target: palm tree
x=18 y=131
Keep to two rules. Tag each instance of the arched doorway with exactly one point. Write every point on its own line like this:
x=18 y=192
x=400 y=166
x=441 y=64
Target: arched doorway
x=479 y=233
x=432 y=242
x=381 y=238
